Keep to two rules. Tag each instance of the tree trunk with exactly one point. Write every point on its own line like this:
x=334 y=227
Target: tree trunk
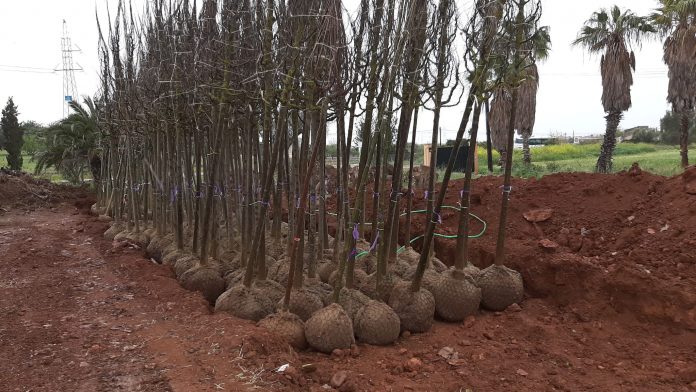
x=604 y=162
x=489 y=152
x=684 y=139
x=526 y=154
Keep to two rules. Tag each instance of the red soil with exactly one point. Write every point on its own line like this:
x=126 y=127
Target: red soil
x=82 y=314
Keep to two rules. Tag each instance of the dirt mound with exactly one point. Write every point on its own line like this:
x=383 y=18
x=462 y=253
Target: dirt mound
x=19 y=189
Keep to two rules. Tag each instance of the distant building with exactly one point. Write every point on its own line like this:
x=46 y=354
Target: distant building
x=588 y=139
x=630 y=133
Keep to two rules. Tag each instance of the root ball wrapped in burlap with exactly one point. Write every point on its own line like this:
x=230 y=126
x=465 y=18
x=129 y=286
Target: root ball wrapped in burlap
x=248 y=303
x=330 y=328
x=415 y=309
x=500 y=287
x=288 y=326
x=376 y=323
x=205 y=280
x=456 y=296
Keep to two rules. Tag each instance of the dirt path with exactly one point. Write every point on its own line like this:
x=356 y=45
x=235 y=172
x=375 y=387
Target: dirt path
x=80 y=314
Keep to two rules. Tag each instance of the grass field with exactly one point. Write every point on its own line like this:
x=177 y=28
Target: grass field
x=658 y=159
x=29 y=166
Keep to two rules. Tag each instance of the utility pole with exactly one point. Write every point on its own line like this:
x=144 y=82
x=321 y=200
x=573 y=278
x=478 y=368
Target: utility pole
x=69 y=86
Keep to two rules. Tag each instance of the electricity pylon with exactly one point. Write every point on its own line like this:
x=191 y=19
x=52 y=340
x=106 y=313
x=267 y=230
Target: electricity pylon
x=69 y=68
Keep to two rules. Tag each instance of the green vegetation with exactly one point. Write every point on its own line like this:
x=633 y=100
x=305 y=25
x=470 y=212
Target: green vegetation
x=658 y=159
x=70 y=145
x=29 y=166
x=13 y=135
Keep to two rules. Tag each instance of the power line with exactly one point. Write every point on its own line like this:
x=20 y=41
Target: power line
x=25 y=67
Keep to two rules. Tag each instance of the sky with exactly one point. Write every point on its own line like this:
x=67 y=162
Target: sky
x=569 y=98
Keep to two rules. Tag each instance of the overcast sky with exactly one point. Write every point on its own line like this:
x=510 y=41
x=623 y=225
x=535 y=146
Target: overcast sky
x=569 y=97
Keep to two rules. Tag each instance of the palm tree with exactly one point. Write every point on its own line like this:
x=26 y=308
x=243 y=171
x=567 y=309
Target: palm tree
x=538 y=46
x=676 y=19
x=610 y=31
x=71 y=144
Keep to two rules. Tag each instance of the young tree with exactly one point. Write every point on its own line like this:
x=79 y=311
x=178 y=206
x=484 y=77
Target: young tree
x=14 y=135
x=612 y=31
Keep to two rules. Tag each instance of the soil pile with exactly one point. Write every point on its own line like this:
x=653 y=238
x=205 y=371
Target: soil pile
x=21 y=189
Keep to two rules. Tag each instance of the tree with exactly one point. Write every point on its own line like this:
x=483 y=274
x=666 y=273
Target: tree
x=676 y=19
x=71 y=144
x=612 y=31
x=670 y=128
x=33 y=141
x=538 y=46
x=14 y=135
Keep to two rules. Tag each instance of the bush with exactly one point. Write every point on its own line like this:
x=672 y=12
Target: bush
x=645 y=135
x=670 y=127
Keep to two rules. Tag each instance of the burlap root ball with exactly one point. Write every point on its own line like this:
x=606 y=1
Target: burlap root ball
x=287 y=326
x=359 y=277
x=234 y=278
x=401 y=268
x=500 y=287
x=172 y=257
x=367 y=263
x=472 y=271
x=275 y=249
x=415 y=309
x=139 y=239
x=329 y=328
x=150 y=233
x=248 y=303
x=351 y=301
x=456 y=296
x=167 y=250
x=410 y=256
x=437 y=265
x=156 y=247
x=280 y=271
x=323 y=290
x=184 y=264
x=303 y=303
x=122 y=235
x=272 y=289
x=325 y=269
x=430 y=277
x=205 y=280
x=114 y=229
x=376 y=323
